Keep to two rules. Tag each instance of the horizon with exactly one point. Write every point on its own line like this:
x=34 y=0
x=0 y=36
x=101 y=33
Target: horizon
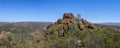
x=96 y=11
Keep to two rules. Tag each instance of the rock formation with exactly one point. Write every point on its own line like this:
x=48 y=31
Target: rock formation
x=85 y=24
x=61 y=33
x=68 y=18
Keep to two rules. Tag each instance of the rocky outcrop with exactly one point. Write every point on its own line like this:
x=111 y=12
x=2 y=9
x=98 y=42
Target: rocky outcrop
x=53 y=26
x=61 y=33
x=68 y=18
x=85 y=24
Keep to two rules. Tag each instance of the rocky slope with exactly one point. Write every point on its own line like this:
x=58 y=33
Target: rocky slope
x=67 y=20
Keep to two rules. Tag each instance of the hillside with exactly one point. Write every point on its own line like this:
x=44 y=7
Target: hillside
x=67 y=32
x=23 y=27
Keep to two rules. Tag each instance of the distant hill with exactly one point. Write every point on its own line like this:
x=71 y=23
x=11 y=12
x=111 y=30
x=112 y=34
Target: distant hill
x=111 y=23
x=23 y=27
x=112 y=28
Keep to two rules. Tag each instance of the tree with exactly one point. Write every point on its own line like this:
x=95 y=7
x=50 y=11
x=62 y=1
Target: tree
x=78 y=16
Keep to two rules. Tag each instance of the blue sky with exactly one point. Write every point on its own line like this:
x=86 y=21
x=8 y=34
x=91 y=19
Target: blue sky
x=50 y=10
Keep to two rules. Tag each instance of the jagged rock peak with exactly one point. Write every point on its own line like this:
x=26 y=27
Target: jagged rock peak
x=64 y=24
x=68 y=15
x=67 y=18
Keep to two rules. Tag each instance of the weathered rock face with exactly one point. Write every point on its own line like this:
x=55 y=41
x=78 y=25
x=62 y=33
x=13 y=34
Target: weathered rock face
x=80 y=25
x=68 y=18
x=52 y=26
x=68 y=15
x=61 y=33
x=85 y=24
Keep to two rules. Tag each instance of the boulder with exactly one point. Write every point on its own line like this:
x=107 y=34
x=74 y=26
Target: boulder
x=59 y=21
x=86 y=24
x=80 y=25
x=92 y=26
x=61 y=33
x=53 y=26
x=67 y=18
x=66 y=21
x=68 y=15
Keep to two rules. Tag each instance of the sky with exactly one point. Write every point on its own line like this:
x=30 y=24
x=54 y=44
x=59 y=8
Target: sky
x=95 y=11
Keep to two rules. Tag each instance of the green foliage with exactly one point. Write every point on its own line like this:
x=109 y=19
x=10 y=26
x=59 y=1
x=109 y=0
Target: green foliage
x=78 y=16
x=23 y=27
x=97 y=38
x=91 y=38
